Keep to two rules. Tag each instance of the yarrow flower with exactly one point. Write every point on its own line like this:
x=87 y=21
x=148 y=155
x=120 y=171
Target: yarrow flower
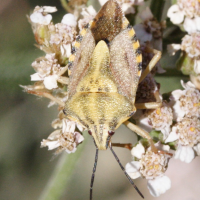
x=186 y=103
x=151 y=166
x=186 y=11
x=48 y=71
x=65 y=139
x=159 y=119
x=88 y=14
x=187 y=134
x=40 y=14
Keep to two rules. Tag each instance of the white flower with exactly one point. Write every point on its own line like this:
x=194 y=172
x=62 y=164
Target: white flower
x=63 y=139
x=151 y=166
x=197 y=66
x=185 y=154
x=142 y=34
x=159 y=185
x=187 y=134
x=48 y=71
x=50 y=82
x=185 y=102
x=88 y=14
x=150 y=31
x=192 y=25
x=69 y=19
x=175 y=14
x=40 y=15
x=190 y=44
x=159 y=119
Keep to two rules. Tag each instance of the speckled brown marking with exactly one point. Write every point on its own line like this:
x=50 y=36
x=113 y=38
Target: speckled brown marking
x=106 y=27
x=76 y=46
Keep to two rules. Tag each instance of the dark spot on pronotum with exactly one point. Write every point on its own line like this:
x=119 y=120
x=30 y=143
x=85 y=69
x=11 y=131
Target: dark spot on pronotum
x=138 y=52
x=140 y=66
x=79 y=38
x=134 y=38
x=90 y=132
x=132 y=114
x=70 y=64
x=73 y=50
x=111 y=133
x=129 y=26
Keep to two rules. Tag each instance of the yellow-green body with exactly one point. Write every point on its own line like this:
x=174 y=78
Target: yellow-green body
x=104 y=74
x=97 y=102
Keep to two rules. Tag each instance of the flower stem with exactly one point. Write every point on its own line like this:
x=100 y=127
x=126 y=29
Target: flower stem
x=157 y=8
x=59 y=180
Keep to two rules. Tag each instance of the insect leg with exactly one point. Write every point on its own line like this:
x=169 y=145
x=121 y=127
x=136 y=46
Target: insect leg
x=93 y=172
x=152 y=63
x=151 y=105
x=126 y=145
x=142 y=133
x=129 y=178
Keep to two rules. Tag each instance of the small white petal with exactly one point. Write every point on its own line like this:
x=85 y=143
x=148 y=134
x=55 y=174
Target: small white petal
x=80 y=128
x=49 y=9
x=36 y=77
x=185 y=154
x=159 y=185
x=102 y=2
x=162 y=147
x=72 y=126
x=144 y=124
x=138 y=150
x=54 y=135
x=197 y=149
x=172 y=136
x=189 y=25
x=177 y=94
x=175 y=14
x=91 y=10
x=79 y=137
x=66 y=49
x=127 y=8
x=141 y=34
x=50 y=82
x=132 y=169
x=39 y=18
x=187 y=85
x=51 y=144
x=197 y=22
x=69 y=19
x=197 y=66
x=146 y=14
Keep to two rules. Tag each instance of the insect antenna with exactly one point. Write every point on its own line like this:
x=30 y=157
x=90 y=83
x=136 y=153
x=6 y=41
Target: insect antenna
x=93 y=172
x=129 y=178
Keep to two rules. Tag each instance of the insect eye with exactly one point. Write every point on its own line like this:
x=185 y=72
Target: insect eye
x=111 y=133
x=90 y=132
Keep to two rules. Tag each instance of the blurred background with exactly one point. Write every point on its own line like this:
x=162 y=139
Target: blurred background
x=25 y=120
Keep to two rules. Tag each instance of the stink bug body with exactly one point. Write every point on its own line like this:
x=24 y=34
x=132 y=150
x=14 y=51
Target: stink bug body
x=105 y=69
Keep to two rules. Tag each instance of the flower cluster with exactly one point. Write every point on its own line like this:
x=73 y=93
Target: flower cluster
x=174 y=125
x=152 y=166
x=65 y=138
x=186 y=14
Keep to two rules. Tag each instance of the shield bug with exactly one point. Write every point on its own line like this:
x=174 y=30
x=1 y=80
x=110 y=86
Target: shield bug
x=105 y=68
